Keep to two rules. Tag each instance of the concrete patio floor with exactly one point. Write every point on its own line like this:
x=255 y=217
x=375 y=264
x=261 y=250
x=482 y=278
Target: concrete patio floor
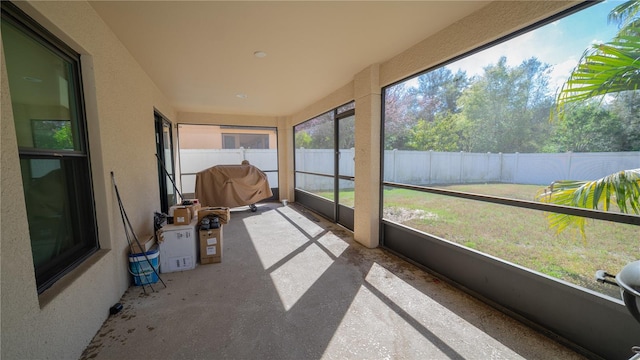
x=292 y=285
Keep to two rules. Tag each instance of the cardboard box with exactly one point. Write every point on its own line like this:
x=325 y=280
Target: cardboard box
x=222 y=213
x=211 y=246
x=146 y=242
x=182 y=215
x=194 y=207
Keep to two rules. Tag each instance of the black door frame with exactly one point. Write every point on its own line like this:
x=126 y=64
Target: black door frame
x=343 y=214
x=332 y=210
x=161 y=121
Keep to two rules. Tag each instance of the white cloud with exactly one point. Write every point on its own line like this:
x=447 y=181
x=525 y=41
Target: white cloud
x=560 y=72
x=559 y=44
x=515 y=50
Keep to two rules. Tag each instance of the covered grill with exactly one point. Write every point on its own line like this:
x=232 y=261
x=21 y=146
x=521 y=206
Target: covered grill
x=232 y=186
x=628 y=279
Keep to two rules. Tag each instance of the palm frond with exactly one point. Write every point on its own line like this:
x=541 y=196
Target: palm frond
x=607 y=68
x=624 y=13
x=622 y=186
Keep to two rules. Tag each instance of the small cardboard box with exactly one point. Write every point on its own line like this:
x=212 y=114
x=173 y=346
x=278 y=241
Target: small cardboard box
x=222 y=213
x=181 y=215
x=194 y=207
x=146 y=242
x=211 y=246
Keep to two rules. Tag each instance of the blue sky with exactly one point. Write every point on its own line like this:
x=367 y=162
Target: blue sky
x=559 y=44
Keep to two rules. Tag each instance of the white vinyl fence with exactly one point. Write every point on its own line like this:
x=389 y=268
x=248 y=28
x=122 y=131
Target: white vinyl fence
x=193 y=161
x=420 y=167
x=433 y=167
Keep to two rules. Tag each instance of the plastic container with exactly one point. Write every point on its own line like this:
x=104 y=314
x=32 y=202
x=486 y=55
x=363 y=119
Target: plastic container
x=139 y=267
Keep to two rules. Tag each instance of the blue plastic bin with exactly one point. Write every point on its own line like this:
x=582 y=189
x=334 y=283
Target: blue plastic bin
x=139 y=267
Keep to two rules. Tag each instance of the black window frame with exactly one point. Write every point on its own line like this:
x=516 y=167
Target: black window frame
x=76 y=164
x=560 y=209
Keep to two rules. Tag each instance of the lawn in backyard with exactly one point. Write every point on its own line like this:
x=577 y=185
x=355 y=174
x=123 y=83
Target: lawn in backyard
x=518 y=235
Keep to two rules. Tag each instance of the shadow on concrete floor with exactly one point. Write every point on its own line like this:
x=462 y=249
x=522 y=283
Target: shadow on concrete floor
x=292 y=285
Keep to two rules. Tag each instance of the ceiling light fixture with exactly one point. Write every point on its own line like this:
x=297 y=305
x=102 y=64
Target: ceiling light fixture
x=241 y=96
x=260 y=54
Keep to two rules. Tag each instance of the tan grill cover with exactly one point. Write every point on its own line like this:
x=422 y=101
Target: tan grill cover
x=231 y=186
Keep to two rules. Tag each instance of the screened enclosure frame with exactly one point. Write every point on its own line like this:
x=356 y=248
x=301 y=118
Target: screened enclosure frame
x=274 y=189
x=557 y=308
x=331 y=209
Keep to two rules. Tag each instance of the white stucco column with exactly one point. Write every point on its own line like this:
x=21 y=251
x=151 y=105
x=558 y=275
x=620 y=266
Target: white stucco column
x=367 y=173
x=285 y=159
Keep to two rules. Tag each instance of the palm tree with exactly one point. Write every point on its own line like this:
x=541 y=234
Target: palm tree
x=608 y=68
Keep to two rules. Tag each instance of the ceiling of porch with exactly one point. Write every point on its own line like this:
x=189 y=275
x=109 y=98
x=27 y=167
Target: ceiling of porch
x=202 y=54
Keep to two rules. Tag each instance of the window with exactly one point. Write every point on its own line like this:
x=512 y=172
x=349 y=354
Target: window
x=469 y=151
x=46 y=95
x=247 y=141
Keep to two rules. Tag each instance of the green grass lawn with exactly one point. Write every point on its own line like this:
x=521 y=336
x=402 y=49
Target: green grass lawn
x=346 y=197
x=520 y=236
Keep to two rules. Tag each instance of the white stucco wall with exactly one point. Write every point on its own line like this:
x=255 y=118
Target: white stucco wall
x=120 y=100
